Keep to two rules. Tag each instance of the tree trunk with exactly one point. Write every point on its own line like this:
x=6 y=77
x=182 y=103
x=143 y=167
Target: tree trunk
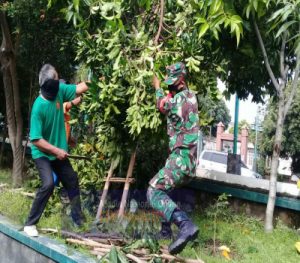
x=4 y=135
x=274 y=165
x=12 y=98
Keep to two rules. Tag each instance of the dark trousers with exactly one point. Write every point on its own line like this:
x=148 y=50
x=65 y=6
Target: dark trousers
x=67 y=176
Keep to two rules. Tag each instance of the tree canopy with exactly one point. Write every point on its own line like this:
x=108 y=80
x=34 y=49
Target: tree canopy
x=123 y=42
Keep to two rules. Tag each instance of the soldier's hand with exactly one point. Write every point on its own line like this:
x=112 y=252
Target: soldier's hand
x=155 y=82
x=61 y=154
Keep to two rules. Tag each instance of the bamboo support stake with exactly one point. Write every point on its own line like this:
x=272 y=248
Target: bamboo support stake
x=119 y=180
x=105 y=191
x=127 y=184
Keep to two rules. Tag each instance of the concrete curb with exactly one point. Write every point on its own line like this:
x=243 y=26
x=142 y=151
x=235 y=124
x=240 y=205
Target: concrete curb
x=43 y=245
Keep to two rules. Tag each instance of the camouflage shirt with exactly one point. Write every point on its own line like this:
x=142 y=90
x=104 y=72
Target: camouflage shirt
x=182 y=118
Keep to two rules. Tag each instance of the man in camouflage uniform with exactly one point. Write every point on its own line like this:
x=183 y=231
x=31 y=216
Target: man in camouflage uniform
x=181 y=108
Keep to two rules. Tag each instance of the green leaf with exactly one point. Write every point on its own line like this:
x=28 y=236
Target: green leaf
x=218 y=21
x=117 y=61
x=116 y=110
x=50 y=3
x=227 y=22
x=255 y=4
x=286 y=14
x=110 y=10
x=238 y=35
x=203 y=29
x=113 y=255
x=113 y=53
x=200 y=20
x=279 y=12
x=215 y=33
x=248 y=10
x=214 y=8
x=69 y=15
x=237 y=19
x=76 y=5
x=284 y=27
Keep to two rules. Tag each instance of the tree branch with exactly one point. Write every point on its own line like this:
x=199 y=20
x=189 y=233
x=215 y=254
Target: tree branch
x=294 y=88
x=266 y=59
x=286 y=69
x=282 y=70
x=162 y=3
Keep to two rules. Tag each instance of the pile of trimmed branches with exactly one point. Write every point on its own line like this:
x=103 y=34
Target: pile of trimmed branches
x=101 y=244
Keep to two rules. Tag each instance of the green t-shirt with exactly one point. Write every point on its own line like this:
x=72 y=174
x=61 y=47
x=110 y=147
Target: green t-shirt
x=47 y=120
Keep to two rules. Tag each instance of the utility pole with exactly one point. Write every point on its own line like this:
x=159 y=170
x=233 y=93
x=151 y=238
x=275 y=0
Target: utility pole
x=234 y=159
x=236 y=124
x=255 y=146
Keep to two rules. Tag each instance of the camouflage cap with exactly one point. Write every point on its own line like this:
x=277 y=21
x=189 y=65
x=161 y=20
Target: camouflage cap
x=174 y=72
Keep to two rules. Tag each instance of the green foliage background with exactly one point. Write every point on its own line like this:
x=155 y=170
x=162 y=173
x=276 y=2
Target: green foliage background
x=118 y=46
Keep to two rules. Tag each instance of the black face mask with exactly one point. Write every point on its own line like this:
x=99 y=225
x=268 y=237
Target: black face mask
x=49 y=89
x=173 y=88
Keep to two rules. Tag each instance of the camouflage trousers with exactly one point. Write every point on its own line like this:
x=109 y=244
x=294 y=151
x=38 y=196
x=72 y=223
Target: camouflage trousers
x=178 y=170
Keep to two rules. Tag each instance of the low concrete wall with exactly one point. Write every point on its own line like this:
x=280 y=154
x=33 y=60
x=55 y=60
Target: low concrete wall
x=248 y=195
x=260 y=185
x=250 y=208
x=13 y=251
x=17 y=247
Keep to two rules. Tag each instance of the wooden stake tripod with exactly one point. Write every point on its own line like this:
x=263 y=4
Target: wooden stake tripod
x=110 y=179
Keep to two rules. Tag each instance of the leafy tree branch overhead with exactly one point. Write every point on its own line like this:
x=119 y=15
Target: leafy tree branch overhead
x=123 y=42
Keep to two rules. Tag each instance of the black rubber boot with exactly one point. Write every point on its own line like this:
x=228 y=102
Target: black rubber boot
x=165 y=231
x=187 y=231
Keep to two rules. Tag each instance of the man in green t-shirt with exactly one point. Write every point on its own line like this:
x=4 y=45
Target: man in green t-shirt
x=49 y=145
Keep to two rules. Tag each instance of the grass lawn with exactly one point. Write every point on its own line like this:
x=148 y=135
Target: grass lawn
x=247 y=241
x=5 y=176
x=244 y=235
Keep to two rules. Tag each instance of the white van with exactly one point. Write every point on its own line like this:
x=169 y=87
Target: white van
x=217 y=161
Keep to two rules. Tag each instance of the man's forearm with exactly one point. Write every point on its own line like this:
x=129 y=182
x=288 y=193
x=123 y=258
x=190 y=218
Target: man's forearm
x=45 y=146
x=81 y=88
